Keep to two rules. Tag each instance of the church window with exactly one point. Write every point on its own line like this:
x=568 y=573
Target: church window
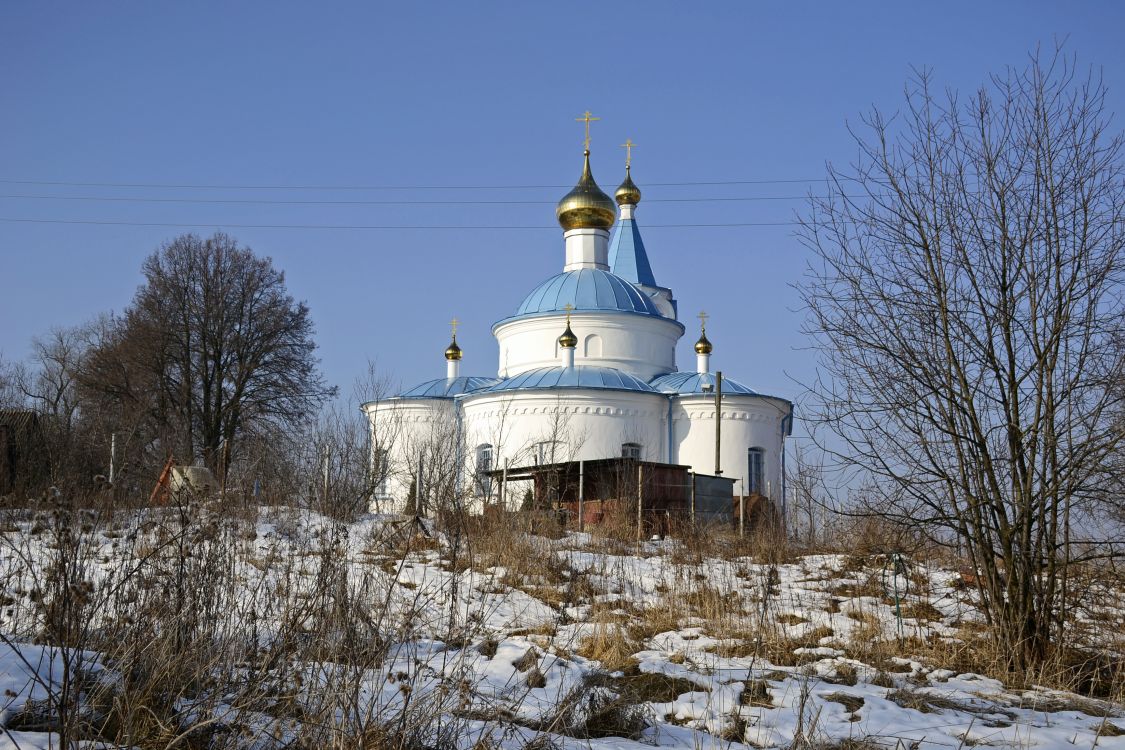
x=631 y=450
x=754 y=472
x=546 y=451
x=380 y=470
x=592 y=347
x=484 y=465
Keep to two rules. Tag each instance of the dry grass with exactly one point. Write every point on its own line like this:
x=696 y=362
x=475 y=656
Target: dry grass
x=611 y=645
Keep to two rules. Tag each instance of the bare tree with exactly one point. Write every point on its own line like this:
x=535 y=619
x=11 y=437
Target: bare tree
x=967 y=300
x=215 y=347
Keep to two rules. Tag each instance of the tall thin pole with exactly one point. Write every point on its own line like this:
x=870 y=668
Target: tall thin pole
x=327 y=460
x=718 y=421
x=742 y=510
x=640 y=503
x=581 y=495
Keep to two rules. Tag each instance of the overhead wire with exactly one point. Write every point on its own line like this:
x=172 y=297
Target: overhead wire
x=197 y=225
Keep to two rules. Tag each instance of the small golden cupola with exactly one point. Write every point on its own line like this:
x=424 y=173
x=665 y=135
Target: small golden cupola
x=453 y=354
x=586 y=206
x=628 y=194
x=703 y=347
x=567 y=342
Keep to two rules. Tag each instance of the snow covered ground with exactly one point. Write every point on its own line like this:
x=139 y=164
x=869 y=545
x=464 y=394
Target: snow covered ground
x=519 y=639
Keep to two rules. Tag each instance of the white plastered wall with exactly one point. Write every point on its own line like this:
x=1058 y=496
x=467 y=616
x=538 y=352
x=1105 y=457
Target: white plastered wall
x=640 y=345
x=747 y=422
x=405 y=429
x=588 y=424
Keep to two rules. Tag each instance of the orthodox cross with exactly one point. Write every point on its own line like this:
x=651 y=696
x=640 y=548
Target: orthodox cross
x=587 y=118
x=703 y=321
x=568 y=307
x=628 y=146
x=454 y=323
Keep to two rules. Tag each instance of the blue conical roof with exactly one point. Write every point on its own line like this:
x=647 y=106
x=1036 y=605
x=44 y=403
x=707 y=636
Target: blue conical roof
x=627 y=256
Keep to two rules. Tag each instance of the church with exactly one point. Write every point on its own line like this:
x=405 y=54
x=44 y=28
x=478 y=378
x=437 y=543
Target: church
x=587 y=372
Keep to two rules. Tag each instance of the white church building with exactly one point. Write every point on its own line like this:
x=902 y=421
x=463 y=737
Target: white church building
x=587 y=371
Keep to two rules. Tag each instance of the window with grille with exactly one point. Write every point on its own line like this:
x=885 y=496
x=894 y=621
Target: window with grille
x=484 y=465
x=755 y=484
x=631 y=450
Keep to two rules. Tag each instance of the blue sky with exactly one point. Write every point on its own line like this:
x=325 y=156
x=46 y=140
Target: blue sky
x=480 y=94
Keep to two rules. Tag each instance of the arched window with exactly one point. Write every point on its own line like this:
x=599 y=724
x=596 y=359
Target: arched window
x=547 y=452
x=755 y=461
x=380 y=470
x=631 y=450
x=484 y=465
x=592 y=347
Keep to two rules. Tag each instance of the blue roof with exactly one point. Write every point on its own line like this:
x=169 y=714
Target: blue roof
x=581 y=376
x=587 y=289
x=448 y=387
x=627 y=256
x=693 y=382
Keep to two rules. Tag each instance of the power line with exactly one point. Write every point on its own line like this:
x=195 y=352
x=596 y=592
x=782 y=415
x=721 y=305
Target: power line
x=205 y=225
x=164 y=185
x=266 y=201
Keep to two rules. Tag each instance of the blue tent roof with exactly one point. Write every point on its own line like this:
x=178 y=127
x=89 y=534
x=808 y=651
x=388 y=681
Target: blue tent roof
x=448 y=387
x=627 y=256
x=582 y=376
x=693 y=382
x=586 y=289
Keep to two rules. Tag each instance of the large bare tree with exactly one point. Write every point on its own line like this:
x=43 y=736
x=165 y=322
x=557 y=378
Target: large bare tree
x=967 y=300
x=214 y=347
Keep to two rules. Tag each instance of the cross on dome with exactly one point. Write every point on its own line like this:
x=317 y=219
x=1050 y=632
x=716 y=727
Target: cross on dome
x=628 y=146
x=586 y=118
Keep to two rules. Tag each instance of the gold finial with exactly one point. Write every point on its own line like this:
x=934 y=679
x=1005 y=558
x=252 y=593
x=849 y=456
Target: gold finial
x=453 y=352
x=586 y=118
x=568 y=340
x=703 y=346
x=628 y=146
x=628 y=194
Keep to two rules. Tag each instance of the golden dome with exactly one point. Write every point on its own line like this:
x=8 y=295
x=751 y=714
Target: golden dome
x=453 y=352
x=586 y=206
x=568 y=340
x=703 y=346
x=627 y=192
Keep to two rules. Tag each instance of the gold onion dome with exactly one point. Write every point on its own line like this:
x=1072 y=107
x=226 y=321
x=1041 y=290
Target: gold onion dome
x=703 y=346
x=453 y=352
x=586 y=206
x=627 y=192
x=568 y=340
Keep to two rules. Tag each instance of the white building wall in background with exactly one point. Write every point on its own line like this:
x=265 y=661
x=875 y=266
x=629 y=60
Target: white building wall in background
x=641 y=345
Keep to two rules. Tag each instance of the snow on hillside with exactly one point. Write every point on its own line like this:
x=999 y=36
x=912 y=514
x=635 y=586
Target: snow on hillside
x=510 y=639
